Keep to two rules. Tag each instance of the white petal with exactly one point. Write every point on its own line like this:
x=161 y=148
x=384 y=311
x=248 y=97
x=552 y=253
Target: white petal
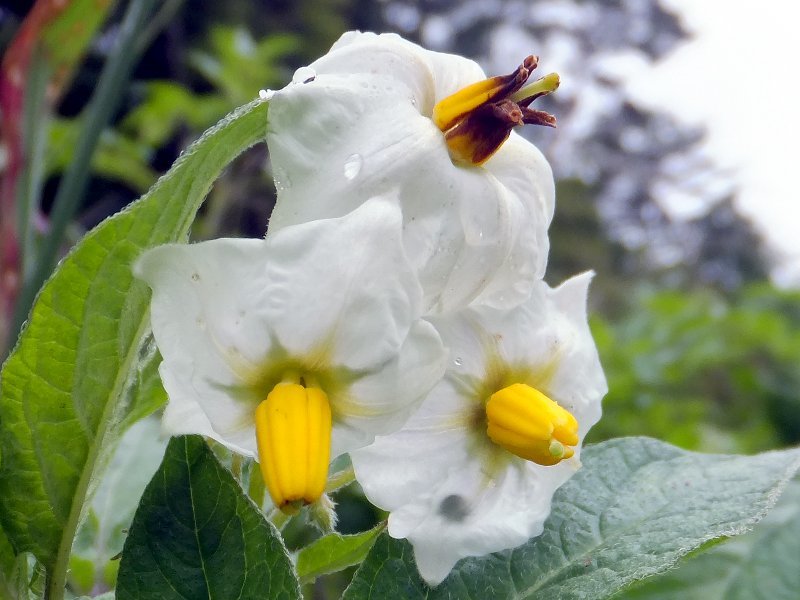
x=361 y=128
x=435 y=75
x=219 y=308
x=432 y=474
x=527 y=175
x=344 y=282
x=468 y=515
x=549 y=328
x=205 y=316
x=398 y=468
x=381 y=402
x=183 y=415
x=579 y=381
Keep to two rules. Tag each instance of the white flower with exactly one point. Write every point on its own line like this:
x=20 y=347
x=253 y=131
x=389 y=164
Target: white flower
x=360 y=121
x=315 y=318
x=452 y=490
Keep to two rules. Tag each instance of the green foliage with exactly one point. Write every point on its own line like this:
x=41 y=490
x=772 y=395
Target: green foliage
x=237 y=65
x=117 y=158
x=64 y=386
x=195 y=535
x=760 y=564
x=6 y=565
x=165 y=108
x=67 y=37
x=73 y=185
x=702 y=371
x=335 y=552
x=94 y=560
x=632 y=511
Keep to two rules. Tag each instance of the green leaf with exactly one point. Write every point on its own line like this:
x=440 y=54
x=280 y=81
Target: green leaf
x=196 y=535
x=760 y=564
x=632 y=511
x=335 y=552
x=61 y=389
x=145 y=393
x=7 y=560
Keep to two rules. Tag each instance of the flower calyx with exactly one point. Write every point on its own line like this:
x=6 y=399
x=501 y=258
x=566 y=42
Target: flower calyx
x=478 y=119
x=530 y=425
x=293 y=434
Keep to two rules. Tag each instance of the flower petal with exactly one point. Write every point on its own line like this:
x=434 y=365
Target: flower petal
x=400 y=467
x=381 y=402
x=361 y=128
x=345 y=282
x=534 y=188
x=468 y=515
x=319 y=291
x=205 y=317
x=450 y=490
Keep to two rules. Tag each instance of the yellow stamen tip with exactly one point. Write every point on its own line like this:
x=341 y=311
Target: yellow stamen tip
x=544 y=85
x=293 y=434
x=530 y=425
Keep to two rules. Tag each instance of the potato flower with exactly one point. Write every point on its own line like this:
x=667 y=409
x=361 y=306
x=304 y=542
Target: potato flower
x=294 y=349
x=378 y=113
x=475 y=468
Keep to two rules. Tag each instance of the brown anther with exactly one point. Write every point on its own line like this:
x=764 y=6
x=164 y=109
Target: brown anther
x=478 y=119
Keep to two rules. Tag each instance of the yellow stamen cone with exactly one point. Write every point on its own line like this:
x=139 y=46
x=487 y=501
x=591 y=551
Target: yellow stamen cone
x=478 y=119
x=293 y=433
x=448 y=111
x=530 y=425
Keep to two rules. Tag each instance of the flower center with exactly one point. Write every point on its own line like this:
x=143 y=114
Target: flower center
x=293 y=432
x=530 y=425
x=477 y=119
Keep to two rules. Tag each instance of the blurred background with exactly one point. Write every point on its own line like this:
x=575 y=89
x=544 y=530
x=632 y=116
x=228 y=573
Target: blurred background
x=671 y=157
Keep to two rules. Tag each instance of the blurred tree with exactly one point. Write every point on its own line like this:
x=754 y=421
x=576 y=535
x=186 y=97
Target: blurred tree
x=702 y=371
x=627 y=157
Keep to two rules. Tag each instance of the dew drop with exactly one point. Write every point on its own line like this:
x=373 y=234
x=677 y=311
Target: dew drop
x=458 y=361
x=266 y=94
x=282 y=180
x=304 y=75
x=352 y=166
x=201 y=324
x=195 y=276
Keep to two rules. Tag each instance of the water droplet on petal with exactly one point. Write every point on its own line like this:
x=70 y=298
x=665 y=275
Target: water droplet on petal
x=352 y=166
x=266 y=94
x=458 y=361
x=195 y=276
x=201 y=324
x=304 y=75
x=282 y=181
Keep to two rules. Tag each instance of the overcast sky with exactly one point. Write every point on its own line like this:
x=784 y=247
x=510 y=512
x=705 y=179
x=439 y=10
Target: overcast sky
x=740 y=78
